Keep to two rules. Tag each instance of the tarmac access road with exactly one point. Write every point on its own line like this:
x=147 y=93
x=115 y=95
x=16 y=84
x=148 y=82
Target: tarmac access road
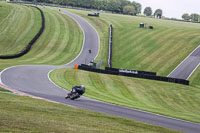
x=33 y=80
x=185 y=69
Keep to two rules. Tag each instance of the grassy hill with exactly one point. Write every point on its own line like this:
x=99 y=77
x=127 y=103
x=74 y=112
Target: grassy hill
x=159 y=50
x=19 y=24
x=195 y=78
x=60 y=42
x=170 y=40
x=168 y=99
x=23 y=114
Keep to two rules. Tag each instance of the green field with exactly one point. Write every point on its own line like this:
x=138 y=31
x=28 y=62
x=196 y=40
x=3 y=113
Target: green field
x=3 y=90
x=19 y=24
x=168 y=99
x=23 y=114
x=60 y=42
x=159 y=50
x=195 y=78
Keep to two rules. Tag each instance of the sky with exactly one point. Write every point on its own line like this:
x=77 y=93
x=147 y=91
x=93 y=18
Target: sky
x=172 y=8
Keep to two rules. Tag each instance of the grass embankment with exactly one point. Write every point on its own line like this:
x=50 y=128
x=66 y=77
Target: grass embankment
x=195 y=78
x=22 y=114
x=159 y=50
x=3 y=90
x=60 y=42
x=102 y=27
x=19 y=24
x=158 y=97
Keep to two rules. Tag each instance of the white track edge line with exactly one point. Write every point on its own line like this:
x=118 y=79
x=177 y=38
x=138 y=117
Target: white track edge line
x=83 y=40
x=193 y=71
x=82 y=46
x=52 y=81
x=184 y=59
x=48 y=75
x=128 y=107
x=84 y=33
x=22 y=93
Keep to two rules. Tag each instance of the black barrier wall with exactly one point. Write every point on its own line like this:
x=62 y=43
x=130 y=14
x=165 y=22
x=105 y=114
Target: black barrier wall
x=130 y=71
x=144 y=76
x=110 y=47
x=28 y=47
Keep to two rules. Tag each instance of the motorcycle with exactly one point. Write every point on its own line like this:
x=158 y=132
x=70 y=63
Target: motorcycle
x=72 y=95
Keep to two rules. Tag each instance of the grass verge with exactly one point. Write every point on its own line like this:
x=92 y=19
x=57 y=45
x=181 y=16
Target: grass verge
x=195 y=78
x=1 y=89
x=168 y=99
x=22 y=114
x=19 y=24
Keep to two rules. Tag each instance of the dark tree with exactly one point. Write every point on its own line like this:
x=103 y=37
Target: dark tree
x=124 y=3
x=137 y=6
x=158 y=13
x=148 y=11
x=186 y=17
x=130 y=10
x=194 y=17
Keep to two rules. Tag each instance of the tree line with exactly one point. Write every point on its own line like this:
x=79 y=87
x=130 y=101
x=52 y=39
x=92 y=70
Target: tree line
x=192 y=17
x=117 y=6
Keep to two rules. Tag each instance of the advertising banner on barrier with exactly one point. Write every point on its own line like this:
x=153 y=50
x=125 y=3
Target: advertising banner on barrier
x=128 y=71
x=122 y=70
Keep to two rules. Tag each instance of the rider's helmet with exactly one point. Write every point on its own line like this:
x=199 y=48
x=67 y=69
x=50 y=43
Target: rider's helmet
x=82 y=89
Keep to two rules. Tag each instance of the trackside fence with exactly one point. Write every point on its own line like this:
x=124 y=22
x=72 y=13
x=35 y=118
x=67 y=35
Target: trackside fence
x=110 y=47
x=133 y=73
x=28 y=47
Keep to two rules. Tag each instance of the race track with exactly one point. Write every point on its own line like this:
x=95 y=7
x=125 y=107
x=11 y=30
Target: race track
x=188 y=66
x=33 y=80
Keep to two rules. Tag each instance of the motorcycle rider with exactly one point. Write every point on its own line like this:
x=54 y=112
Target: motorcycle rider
x=77 y=89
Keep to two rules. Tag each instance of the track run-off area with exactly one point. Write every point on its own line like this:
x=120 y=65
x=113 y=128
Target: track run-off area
x=33 y=80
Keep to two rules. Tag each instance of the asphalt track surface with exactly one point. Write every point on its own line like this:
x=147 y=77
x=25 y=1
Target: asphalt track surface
x=187 y=66
x=33 y=80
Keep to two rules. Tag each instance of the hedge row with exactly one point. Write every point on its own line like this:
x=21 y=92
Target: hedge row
x=28 y=47
x=145 y=75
